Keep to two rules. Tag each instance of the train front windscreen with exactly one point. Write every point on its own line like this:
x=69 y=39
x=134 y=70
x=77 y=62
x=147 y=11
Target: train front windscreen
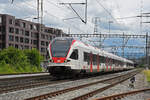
x=60 y=47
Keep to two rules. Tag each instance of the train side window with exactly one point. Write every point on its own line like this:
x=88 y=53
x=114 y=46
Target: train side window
x=86 y=57
x=102 y=59
x=94 y=59
x=74 y=54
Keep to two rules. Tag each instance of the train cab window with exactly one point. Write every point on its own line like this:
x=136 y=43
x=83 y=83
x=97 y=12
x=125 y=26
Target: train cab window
x=74 y=54
x=60 y=47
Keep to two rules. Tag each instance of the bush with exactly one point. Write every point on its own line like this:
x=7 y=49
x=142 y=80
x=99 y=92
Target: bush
x=33 y=56
x=13 y=60
x=5 y=68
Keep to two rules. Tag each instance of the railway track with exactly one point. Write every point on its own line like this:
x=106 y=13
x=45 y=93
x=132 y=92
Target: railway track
x=28 y=85
x=122 y=95
x=112 y=81
x=19 y=83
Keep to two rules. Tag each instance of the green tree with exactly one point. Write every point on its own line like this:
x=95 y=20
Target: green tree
x=14 y=60
x=34 y=57
x=13 y=56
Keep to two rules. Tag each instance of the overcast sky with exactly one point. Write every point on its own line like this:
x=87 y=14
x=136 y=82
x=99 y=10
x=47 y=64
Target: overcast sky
x=54 y=14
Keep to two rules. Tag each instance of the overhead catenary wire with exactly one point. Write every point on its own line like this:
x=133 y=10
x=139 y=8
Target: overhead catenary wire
x=50 y=2
x=106 y=10
x=89 y=23
x=127 y=17
x=70 y=5
x=61 y=9
x=70 y=10
x=45 y=11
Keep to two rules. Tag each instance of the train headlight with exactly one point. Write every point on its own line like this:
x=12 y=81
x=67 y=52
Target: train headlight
x=67 y=61
x=51 y=60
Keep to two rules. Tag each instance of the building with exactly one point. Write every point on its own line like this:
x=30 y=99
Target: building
x=24 y=34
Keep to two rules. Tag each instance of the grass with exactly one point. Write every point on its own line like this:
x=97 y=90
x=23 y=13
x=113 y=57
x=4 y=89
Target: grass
x=9 y=69
x=147 y=73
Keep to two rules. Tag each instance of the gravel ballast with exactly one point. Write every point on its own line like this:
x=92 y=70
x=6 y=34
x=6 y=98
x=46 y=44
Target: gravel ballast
x=27 y=93
x=140 y=83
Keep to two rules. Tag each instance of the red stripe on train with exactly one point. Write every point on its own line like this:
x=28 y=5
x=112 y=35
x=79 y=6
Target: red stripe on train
x=71 y=46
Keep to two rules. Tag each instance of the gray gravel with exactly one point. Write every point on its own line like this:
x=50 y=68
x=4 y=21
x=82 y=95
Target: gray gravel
x=135 y=97
x=140 y=83
x=27 y=93
x=22 y=94
x=76 y=93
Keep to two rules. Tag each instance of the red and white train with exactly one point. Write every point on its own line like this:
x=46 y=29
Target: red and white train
x=69 y=56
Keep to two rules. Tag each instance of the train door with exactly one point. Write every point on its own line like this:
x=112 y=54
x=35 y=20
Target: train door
x=75 y=58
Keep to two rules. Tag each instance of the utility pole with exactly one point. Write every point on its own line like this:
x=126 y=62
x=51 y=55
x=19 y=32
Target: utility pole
x=96 y=21
x=109 y=25
x=147 y=60
x=12 y=1
x=69 y=31
x=40 y=11
x=40 y=20
x=123 y=46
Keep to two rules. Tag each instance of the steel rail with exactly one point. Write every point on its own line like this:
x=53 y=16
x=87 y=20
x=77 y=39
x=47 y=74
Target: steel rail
x=15 y=84
x=122 y=95
x=30 y=85
x=90 y=94
x=59 y=92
